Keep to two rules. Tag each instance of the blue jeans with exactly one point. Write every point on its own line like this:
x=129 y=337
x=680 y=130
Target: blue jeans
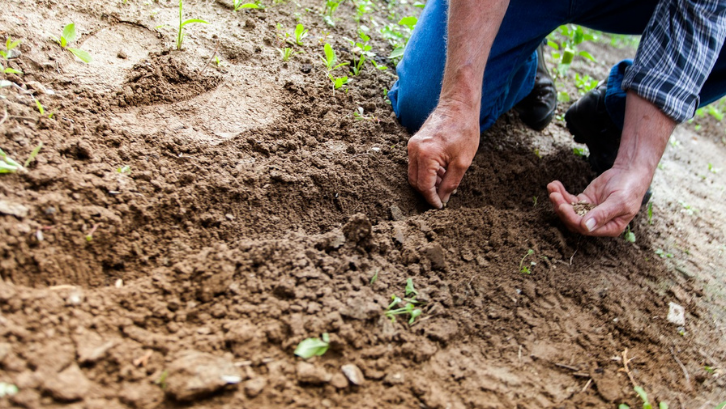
x=512 y=64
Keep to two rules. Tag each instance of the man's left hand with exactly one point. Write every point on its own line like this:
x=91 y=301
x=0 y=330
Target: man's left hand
x=616 y=195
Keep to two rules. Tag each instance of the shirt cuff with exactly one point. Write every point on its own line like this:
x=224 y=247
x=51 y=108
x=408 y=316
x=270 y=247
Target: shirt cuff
x=667 y=93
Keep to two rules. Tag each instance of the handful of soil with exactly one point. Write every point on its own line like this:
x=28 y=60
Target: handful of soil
x=581 y=208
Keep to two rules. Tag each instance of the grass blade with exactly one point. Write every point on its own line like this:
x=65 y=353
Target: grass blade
x=33 y=154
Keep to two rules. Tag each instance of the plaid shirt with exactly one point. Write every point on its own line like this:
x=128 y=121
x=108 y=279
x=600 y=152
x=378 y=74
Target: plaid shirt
x=676 y=54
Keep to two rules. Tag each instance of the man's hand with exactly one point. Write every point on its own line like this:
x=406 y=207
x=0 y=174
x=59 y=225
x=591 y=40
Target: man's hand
x=618 y=192
x=442 y=150
x=617 y=195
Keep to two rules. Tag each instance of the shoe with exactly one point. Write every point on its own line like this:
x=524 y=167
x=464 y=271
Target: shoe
x=537 y=109
x=590 y=123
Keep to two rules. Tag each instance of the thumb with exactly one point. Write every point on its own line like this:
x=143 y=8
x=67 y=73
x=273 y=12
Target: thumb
x=601 y=216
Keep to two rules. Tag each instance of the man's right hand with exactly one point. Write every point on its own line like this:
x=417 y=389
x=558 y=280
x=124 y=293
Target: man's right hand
x=442 y=150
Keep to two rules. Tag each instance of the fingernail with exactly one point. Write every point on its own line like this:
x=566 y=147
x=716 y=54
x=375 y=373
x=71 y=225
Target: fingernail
x=590 y=224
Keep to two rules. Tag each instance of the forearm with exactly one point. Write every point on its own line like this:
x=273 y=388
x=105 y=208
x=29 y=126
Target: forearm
x=472 y=27
x=645 y=135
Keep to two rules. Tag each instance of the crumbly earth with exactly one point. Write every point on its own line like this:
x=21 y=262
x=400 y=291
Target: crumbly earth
x=185 y=227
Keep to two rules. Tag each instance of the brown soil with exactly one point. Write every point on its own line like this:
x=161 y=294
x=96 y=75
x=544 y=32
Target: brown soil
x=256 y=212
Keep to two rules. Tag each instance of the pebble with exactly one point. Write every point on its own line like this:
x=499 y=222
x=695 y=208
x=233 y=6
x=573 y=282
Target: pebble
x=196 y=374
x=69 y=385
x=353 y=373
x=398 y=234
x=310 y=374
x=121 y=54
x=676 y=314
x=396 y=213
x=435 y=253
x=254 y=387
x=339 y=381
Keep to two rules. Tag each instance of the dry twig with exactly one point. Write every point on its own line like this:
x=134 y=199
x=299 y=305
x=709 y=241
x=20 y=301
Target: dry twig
x=587 y=385
x=625 y=367
x=683 y=368
x=143 y=360
x=210 y=59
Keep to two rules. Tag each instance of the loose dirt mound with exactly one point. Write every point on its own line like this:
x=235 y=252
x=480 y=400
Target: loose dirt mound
x=186 y=231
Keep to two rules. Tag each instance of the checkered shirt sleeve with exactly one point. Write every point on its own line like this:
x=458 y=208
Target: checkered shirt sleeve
x=677 y=52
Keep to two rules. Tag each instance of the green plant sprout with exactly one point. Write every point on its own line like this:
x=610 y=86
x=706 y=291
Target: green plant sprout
x=286 y=53
x=364 y=49
x=239 y=5
x=89 y=236
x=7 y=389
x=68 y=36
x=650 y=213
x=534 y=200
x=712 y=169
x=330 y=58
x=585 y=83
x=399 y=38
x=41 y=109
x=408 y=308
x=330 y=7
x=644 y=397
x=359 y=116
x=579 y=151
x=300 y=34
x=124 y=169
x=311 y=347
x=525 y=269
x=375 y=277
x=217 y=61
x=182 y=23
x=9 y=46
x=663 y=254
x=9 y=165
x=629 y=236
x=162 y=379
x=565 y=52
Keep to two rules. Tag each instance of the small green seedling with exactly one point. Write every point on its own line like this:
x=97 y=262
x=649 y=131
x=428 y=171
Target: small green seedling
x=162 y=379
x=33 y=154
x=534 y=199
x=712 y=169
x=9 y=45
x=311 y=347
x=7 y=389
x=286 y=53
x=650 y=213
x=409 y=22
x=124 y=169
x=89 y=236
x=525 y=269
x=359 y=116
x=217 y=61
x=239 y=5
x=41 y=109
x=300 y=34
x=579 y=151
x=68 y=36
x=330 y=58
x=409 y=306
x=338 y=82
x=375 y=277
x=629 y=236
x=182 y=23
x=663 y=254
x=9 y=165
x=330 y=7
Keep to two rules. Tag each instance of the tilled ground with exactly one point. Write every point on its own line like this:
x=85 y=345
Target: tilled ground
x=256 y=211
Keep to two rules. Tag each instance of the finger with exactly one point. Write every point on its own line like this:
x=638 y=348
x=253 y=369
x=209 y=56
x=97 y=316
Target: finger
x=441 y=172
x=426 y=182
x=569 y=217
x=452 y=179
x=558 y=187
x=412 y=169
x=607 y=219
x=438 y=181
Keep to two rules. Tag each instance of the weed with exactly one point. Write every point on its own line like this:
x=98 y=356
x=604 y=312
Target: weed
x=663 y=254
x=534 y=200
x=41 y=109
x=712 y=169
x=524 y=269
x=644 y=397
x=68 y=36
x=300 y=34
x=338 y=82
x=311 y=347
x=629 y=236
x=408 y=308
x=124 y=169
x=9 y=165
x=363 y=7
x=218 y=61
x=579 y=151
x=687 y=209
x=286 y=53
x=359 y=116
x=239 y=5
x=182 y=23
x=375 y=277
x=650 y=213
x=33 y=154
x=9 y=46
x=162 y=379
